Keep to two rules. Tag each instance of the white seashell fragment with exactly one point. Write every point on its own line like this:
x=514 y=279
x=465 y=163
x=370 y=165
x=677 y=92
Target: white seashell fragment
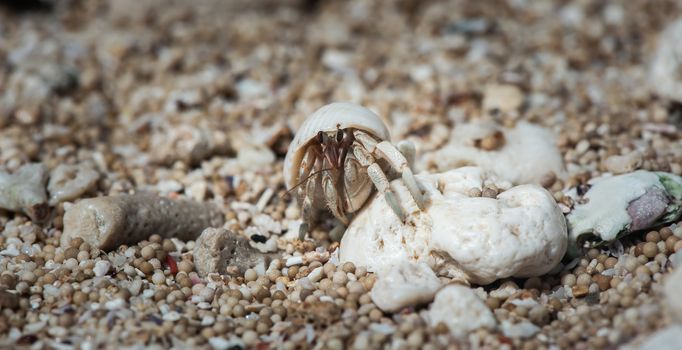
x=101 y=268
x=24 y=191
x=521 y=233
x=405 y=284
x=460 y=310
x=617 y=205
x=523 y=154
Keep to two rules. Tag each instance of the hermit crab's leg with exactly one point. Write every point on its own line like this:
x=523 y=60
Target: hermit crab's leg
x=308 y=210
x=408 y=150
x=387 y=151
x=332 y=198
x=337 y=232
x=307 y=190
x=378 y=178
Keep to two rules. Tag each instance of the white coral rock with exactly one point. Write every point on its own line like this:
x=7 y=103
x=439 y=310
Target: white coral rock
x=24 y=190
x=403 y=285
x=665 y=65
x=461 y=310
x=68 y=182
x=671 y=289
x=523 y=154
x=521 y=233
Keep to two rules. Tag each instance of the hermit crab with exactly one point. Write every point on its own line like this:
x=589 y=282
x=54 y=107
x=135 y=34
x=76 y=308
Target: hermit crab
x=340 y=154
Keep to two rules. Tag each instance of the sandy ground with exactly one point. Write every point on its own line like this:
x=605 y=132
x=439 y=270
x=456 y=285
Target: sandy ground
x=200 y=100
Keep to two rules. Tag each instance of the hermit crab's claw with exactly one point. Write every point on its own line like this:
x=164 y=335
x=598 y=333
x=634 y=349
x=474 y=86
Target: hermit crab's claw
x=408 y=150
x=413 y=187
x=381 y=182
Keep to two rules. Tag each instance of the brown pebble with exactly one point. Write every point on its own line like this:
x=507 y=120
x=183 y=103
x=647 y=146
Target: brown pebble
x=539 y=315
x=491 y=142
x=441 y=328
x=492 y=303
x=593 y=253
x=348 y=267
x=556 y=304
x=474 y=192
x=76 y=242
x=375 y=315
x=604 y=282
x=146 y=267
x=185 y=266
x=238 y=311
x=262 y=328
x=280 y=310
x=533 y=283
x=670 y=243
x=67 y=319
x=642 y=270
x=548 y=180
x=168 y=245
x=579 y=291
x=650 y=249
x=678 y=246
x=666 y=233
x=8 y=300
x=148 y=252
x=610 y=262
x=79 y=297
x=584 y=279
x=489 y=193
x=70 y=253
x=263 y=293
x=652 y=236
x=8 y=280
x=279 y=295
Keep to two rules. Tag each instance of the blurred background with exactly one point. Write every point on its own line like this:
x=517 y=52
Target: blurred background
x=158 y=76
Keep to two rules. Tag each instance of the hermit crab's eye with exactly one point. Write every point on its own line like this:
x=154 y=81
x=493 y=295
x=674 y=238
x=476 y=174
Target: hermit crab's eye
x=321 y=137
x=339 y=135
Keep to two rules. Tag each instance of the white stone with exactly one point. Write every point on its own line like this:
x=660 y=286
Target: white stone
x=405 y=284
x=68 y=182
x=523 y=329
x=101 y=268
x=671 y=289
x=665 y=64
x=504 y=98
x=619 y=164
x=528 y=153
x=167 y=186
x=207 y=320
x=665 y=339
x=521 y=233
x=171 y=316
x=115 y=304
x=255 y=157
x=460 y=310
x=675 y=259
x=24 y=190
x=219 y=343
x=11 y=250
x=505 y=290
x=197 y=191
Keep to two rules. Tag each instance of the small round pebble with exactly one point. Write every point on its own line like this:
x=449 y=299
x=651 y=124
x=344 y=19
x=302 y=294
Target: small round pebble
x=339 y=278
x=650 y=249
x=250 y=275
x=158 y=277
